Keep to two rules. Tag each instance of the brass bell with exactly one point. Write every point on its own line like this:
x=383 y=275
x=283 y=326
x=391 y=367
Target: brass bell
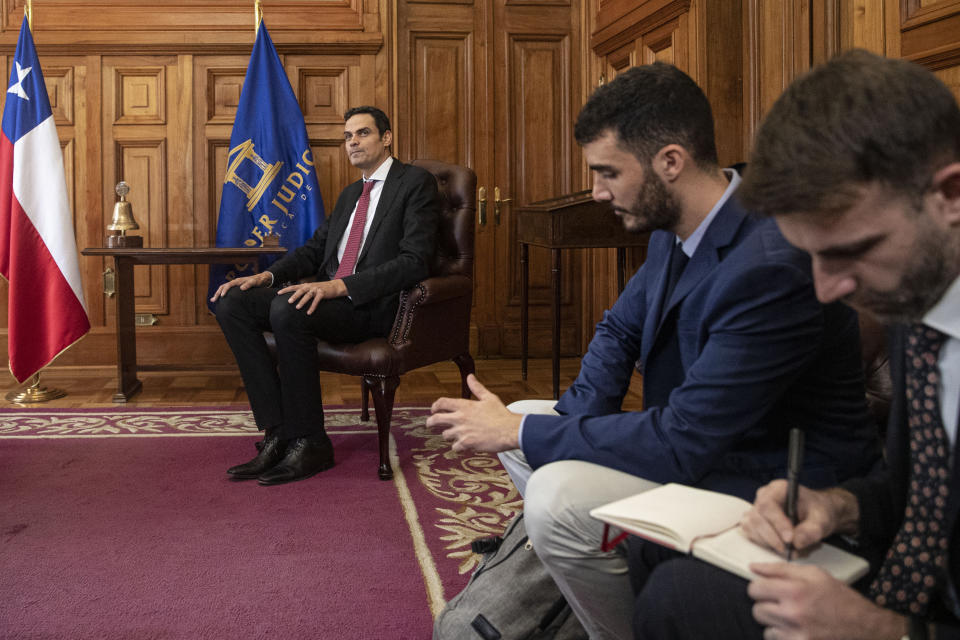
x=123 y=221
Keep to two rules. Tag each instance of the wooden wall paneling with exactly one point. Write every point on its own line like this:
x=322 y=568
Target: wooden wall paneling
x=443 y=61
x=142 y=163
x=217 y=82
x=669 y=43
x=179 y=194
x=718 y=67
x=326 y=86
x=210 y=25
x=824 y=30
x=136 y=122
x=443 y=71
x=951 y=77
x=930 y=32
x=534 y=78
x=862 y=25
x=777 y=45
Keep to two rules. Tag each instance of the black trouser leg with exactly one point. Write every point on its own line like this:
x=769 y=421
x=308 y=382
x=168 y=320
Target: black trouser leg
x=243 y=317
x=285 y=393
x=682 y=598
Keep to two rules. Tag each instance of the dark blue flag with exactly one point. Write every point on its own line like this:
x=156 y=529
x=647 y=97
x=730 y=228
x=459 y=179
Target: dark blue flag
x=271 y=182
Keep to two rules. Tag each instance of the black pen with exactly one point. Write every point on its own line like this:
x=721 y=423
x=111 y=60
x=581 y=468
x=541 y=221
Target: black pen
x=794 y=464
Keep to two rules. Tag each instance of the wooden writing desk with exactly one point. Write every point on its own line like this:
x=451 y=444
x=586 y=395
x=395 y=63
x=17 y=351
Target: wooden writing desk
x=124 y=259
x=573 y=221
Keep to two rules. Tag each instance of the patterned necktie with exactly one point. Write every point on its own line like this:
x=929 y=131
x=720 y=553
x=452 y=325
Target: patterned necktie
x=355 y=239
x=917 y=558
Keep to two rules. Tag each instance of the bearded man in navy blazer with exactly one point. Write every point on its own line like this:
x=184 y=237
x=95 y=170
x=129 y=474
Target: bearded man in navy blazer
x=378 y=241
x=737 y=353
x=859 y=163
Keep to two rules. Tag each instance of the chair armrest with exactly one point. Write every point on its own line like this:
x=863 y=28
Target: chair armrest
x=433 y=320
x=438 y=289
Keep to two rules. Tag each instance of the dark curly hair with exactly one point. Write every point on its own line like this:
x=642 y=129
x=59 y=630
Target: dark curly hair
x=649 y=107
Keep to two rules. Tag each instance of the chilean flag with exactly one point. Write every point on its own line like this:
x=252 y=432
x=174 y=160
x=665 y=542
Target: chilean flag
x=38 y=251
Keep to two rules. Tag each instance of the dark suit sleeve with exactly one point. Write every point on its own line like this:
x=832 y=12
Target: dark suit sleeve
x=303 y=261
x=607 y=367
x=417 y=205
x=762 y=330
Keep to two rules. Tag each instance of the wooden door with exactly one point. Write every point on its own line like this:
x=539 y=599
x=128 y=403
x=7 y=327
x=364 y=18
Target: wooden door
x=536 y=78
x=494 y=86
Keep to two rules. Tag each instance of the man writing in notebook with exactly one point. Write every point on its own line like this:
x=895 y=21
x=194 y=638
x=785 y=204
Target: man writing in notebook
x=379 y=240
x=859 y=163
x=734 y=348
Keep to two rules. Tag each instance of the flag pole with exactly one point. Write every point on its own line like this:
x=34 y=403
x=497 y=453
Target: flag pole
x=28 y=12
x=257 y=16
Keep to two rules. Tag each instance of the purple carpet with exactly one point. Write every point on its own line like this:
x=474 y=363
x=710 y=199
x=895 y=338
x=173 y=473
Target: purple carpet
x=122 y=524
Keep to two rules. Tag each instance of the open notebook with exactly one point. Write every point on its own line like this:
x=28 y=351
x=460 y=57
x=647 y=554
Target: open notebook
x=706 y=525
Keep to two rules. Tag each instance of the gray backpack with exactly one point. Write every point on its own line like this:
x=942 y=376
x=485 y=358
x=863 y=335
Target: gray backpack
x=510 y=596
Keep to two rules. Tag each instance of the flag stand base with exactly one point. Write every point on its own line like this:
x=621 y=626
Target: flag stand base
x=34 y=393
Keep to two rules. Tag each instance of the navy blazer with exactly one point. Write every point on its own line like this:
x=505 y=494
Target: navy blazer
x=882 y=496
x=742 y=352
x=396 y=253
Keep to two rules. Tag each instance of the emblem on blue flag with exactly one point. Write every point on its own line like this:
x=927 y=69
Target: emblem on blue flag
x=270 y=187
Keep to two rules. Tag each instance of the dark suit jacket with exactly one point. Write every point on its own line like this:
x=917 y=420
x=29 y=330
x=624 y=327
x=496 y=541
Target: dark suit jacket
x=882 y=495
x=396 y=253
x=743 y=353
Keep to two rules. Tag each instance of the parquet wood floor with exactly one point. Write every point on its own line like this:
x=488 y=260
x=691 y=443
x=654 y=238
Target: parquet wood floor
x=94 y=387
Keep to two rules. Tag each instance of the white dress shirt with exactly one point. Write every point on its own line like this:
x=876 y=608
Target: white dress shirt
x=945 y=317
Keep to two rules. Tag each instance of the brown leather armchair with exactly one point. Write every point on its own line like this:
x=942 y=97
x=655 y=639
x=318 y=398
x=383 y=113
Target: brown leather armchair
x=433 y=319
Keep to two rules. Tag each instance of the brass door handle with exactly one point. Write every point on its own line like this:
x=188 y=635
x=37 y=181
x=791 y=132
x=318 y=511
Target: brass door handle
x=497 y=201
x=482 y=206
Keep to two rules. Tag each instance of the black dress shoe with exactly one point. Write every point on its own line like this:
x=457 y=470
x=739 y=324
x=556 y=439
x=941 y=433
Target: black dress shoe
x=271 y=453
x=305 y=457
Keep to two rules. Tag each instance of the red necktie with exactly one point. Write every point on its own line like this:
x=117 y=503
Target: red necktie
x=355 y=239
x=915 y=563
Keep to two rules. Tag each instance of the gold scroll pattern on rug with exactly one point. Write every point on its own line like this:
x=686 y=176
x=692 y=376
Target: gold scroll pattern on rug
x=482 y=493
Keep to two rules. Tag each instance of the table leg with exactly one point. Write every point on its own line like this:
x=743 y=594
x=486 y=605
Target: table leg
x=127 y=383
x=524 y=301
x=555 y=317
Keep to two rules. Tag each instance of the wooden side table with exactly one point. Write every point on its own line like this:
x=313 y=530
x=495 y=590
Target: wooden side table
x=124 y=259
x=573 y=221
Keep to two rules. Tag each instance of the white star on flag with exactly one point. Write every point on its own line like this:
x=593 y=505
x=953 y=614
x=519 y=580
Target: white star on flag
x=17 y=89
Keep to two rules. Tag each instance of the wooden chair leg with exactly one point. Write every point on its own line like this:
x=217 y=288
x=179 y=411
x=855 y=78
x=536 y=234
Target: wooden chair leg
x=383 y=390
x=466 y=365
x=364 y=400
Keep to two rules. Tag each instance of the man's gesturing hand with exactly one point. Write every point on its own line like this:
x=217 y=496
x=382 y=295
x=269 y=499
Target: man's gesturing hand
x=483 y=424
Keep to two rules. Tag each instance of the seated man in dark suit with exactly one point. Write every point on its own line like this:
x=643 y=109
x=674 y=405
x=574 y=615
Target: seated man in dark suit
x=859 y=163
x=378 y=241
x=737 y=352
